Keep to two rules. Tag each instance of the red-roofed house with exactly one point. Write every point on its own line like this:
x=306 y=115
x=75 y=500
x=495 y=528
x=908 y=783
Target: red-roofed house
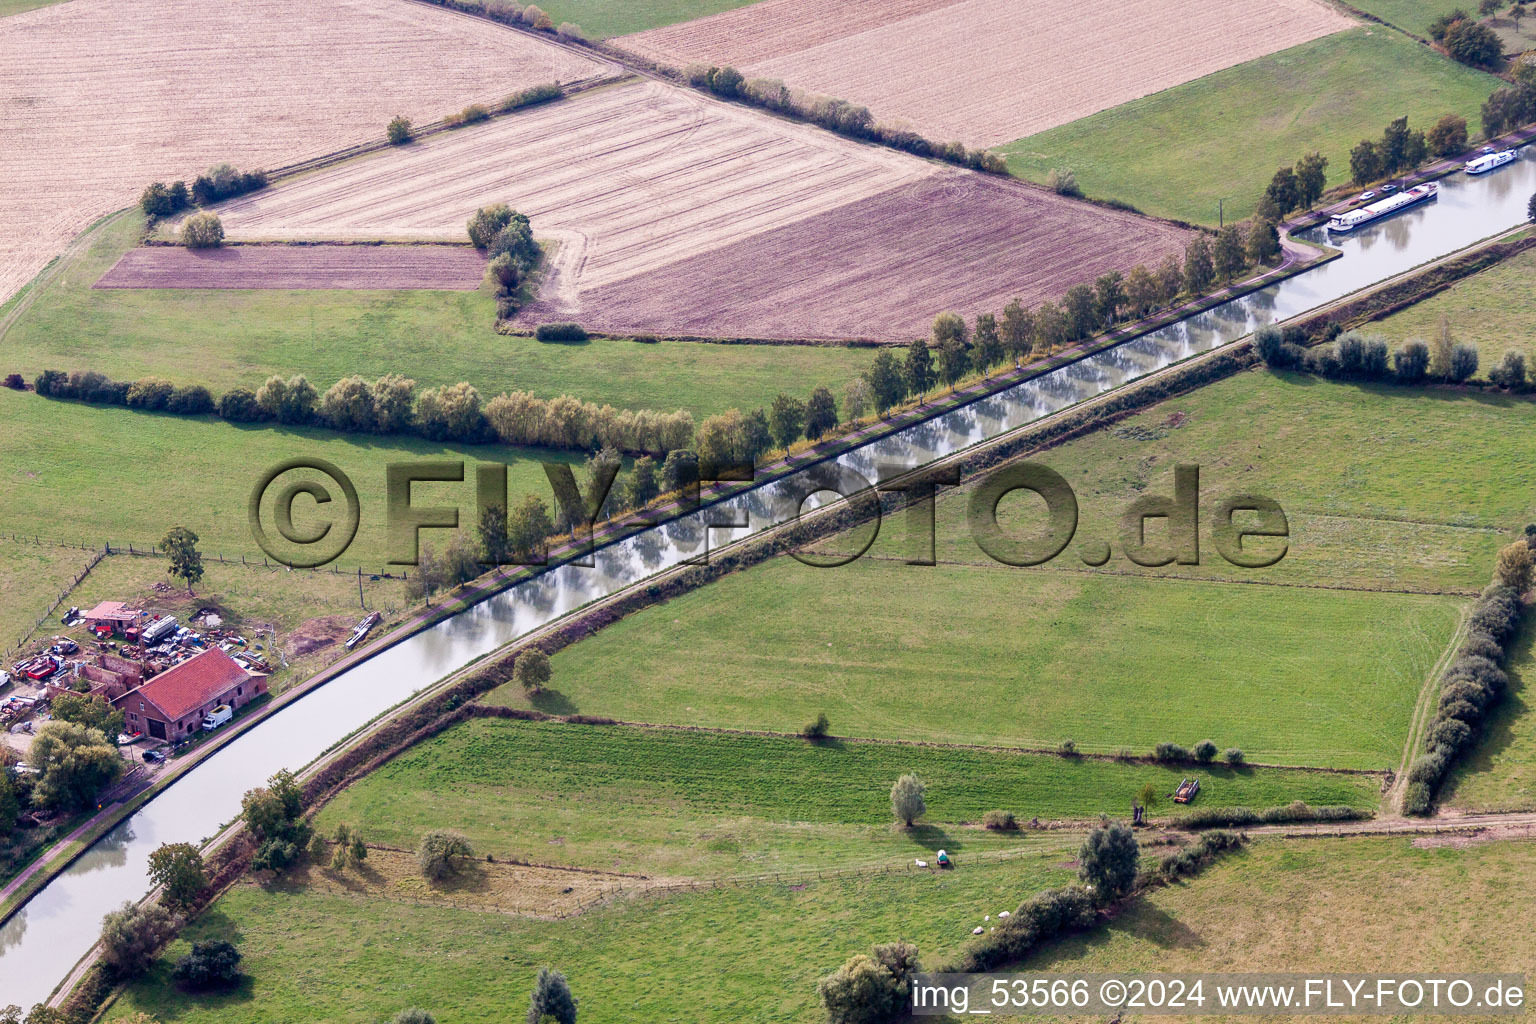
x=171 y=706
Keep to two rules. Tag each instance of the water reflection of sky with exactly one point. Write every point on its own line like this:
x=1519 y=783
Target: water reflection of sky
x=38 y=945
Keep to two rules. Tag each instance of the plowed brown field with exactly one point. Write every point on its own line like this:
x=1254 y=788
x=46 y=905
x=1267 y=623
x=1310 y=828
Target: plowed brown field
x=330 y=267
x=988 y=71
x=628 y=179
x=100 y=97
x=882 y=267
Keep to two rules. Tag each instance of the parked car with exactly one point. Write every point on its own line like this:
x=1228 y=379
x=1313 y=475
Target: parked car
x=154 y=756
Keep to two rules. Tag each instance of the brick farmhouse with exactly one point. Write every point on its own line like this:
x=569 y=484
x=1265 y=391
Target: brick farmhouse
x=171 y=706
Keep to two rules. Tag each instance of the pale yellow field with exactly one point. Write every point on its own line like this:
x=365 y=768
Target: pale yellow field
x=987 y=71
x=100 y=97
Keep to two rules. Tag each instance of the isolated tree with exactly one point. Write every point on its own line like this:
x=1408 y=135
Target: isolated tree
x=1517 y=12
x=441 y=853
x=1447 y=136
x=202 y=231
x=177 y=868
x=210 y=966
x=1107 y=861
x=1263 y=241
x=131 y=935
x=1487 y=7
x=495 y=546
x=918 y=368
x=1148 y=796
x=74 y=765
x=820 y=414
x=1081 y=313
x=1515 y=566
x=551 y=998
x=1365 y=163
x=1227 y=257
x=180 y=546
x=398 y=131
x=886 y=384
x=907 y=799
x=1311 y=179
x=786 y=420
x=1017 y=330
x=988 y=350
x=531 y=670
x=1199 y=266
x=1284 y=191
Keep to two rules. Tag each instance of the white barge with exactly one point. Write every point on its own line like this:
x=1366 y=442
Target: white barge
x=1346 y=222
x=1489 y=161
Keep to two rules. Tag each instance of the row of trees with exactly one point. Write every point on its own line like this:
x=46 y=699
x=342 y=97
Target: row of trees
x=833 y=114
x=222 y=181
x=392 y=405
x=1475 y=680
x=1509 y=107
x=1402 y=149
x=956 y=349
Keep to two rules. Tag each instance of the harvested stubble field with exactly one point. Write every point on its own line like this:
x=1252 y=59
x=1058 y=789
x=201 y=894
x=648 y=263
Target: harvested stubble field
x=626 y=179
x=987 y=71
x=883 y=266
x=321 y=267
x=99 y=97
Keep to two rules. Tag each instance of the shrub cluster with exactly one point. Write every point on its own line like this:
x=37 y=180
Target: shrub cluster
x=1467 y=40
x=223 y=181
x=506 y=237
x=1296 y=811
x=532 y=95
x=870 y=989
x=560 y=332
x=510 y=13
x=1000 y=821
x=1205 y=752
x=1192 y=859
x=1512 y=106
x=1472 y=684
x=1038 y=919
x=565 y=422
x=469 y=115
x=1354 y=356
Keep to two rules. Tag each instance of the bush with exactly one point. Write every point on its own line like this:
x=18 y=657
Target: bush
x=1107 y=861
x=1040 y=918
x=532 y=95
x=239 y=405
x=1233 y=756
x=210 y=965
x=560 y=332
x=1171 y=752
x=131 y=935
x=1463 y=362
x=819 y=729
x=202 y=231
x=441 y=853
x=1067 y=748
x=486 y=223
x=535 y=18
x=1063 y=182
x=1411 y=362
x=15 y=382
x=1002 y=821
x=551 y=1001
x=222 y=181
x=150 y=393
x=571 y=32
x=413 y=1015
x=869 y=989
x=398 y=131
x=190 y=400
x=1510 y=373
x=1296 y=811
x=1205 y=751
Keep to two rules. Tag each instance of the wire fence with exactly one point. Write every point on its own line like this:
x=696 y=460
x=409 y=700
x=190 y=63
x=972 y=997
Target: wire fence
x=152 y=551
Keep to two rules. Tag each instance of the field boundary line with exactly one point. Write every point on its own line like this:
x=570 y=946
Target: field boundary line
x=503 y=712
x=1423 y=710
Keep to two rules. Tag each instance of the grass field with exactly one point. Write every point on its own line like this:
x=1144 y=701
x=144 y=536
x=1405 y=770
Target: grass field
x=224 y=338
x=1410 y=15
x=1499 y=772
x=1490 y=310
x=601 y=18
x=1176 y=152
x=726 y=955
x=1354 y=905
x=1415 y=496
x=10 y=7
x=31 y=577
x=669 y=802
x=92 y=474
x=1292 y=676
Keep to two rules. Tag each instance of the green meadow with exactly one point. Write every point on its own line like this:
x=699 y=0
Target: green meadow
x=1176 y=153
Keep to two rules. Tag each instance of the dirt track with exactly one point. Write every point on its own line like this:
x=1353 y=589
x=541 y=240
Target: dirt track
x=987 y=71
x=443 y=267
x=100 y=97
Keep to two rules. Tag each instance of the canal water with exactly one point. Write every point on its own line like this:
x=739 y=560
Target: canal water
x=41 y=943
